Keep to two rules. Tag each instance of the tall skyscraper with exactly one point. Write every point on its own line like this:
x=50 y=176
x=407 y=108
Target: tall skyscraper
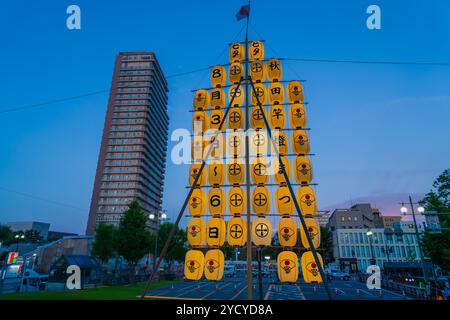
x=133 y=149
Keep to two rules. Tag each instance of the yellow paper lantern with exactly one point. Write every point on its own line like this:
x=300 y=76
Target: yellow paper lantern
x=287 y=232
x=287 y=263
x=237 y=232
x=306 y=198
x=260 y=171
x=196 y=232
x=258 y=71
x=218 y=76
x=199 y=122
x=194 y=172
x=201 y=100
x=259 y=142
x=198 y=145
x=284 y=201
x=237 y=52
x=261 y=232
x=236 y=172
x=256 y=50
x=236 y=119
x=217 y=150
x=257 y=118
x=261 y=200
x=236 y=201
x=278 y=174
x=193 y=265
x=235 y=73
x=238 y=94
x=216 y=202
x=216 y=232
x=274 y=70
x=276 y=93
x=215 y=118
x=216 y=173
x=300 y=142
x=314 y=232
x=258 y=94
x=235 y=144
x=197 y=203
x=277 y=117
x=303 y=172
x=218 y=98
x=310 y=269
x=295 y=92
x=281 y=143
x=214 y=265
x=297 y=115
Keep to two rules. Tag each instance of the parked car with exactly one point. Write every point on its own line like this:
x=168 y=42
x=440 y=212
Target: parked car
x=338 y=275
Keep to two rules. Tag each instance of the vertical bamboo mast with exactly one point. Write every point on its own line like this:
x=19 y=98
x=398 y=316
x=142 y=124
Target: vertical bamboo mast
x=247 y=166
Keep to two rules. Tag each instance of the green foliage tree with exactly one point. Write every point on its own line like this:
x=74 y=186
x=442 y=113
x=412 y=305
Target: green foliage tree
x=104 y=244
x=177 y=247
x=326 y=245
x=6 y=235
x=437 y=245
x=133 y=238
x=33 y=236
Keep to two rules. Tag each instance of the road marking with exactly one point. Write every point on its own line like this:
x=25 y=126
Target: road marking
x=214 y=290
x=301 y=292
x=192 y=289
x=268 y=292
x=168 y=298
x=339 y=290
x=240 y=291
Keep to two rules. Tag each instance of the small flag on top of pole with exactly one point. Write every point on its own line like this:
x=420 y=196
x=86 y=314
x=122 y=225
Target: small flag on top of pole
x=244 y=12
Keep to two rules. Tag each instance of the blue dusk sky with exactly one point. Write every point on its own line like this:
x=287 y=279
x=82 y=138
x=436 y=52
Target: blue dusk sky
x=380 y=131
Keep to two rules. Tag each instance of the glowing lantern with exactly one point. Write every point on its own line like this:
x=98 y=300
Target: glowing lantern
x=216 y=232
x=297 y=115
x=310 y=269
x=287 y=267
x=235 y=73
x=237 y=52
x=215 y=118
x=281 y=143
x=238 y=95
x=274 y=70
x=261 y=232
x=287 y=232
x=216 y=202
x=314 y=232
x=257 y=118
x=259 y=142
x=199 y=122
x=194 y=172
x=196 y=232
x=306 y=198
x=303 y=170
x=201 y=100
x=278 y=174
x=236 y=172
x=295 y=92
x=260 y=174
x=276 y=93
x=236 y=201
x=256 y=51
x=261 y=200
x=214 y=265
x=258 y=71
x=235 y=144
x=218 y=76
x=193 y=265
x=237 y=232
x=300 y=142
x=277 y=117
x=198 y=145
x=259 y=93
x=197 y=203
x=284 y=201
x=216 y=173
x=218 y=98
x=236 y=119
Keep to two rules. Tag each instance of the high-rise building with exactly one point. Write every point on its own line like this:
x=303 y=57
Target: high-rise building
x=133 y=149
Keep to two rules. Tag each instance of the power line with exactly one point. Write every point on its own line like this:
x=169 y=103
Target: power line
x=424 y=63
x=42 y=199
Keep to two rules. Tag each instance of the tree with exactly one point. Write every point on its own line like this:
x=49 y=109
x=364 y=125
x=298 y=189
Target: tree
x=326 y=244
x=177 y=247
x=33 y=236
x=133 y=238
x=6 y=235
x=437 y=245
x=104 y=244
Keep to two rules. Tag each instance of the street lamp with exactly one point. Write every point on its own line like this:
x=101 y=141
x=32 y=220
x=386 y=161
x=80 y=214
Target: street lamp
x=18 y=238
x=369 y=234
x=161 y=217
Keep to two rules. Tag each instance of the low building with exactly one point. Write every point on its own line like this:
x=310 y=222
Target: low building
x=42 y=227
x=388 y=221
x=359 y=216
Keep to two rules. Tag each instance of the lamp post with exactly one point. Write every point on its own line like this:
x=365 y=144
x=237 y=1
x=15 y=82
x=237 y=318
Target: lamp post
x=421 y=210
x=370 y=235
x=18 y=238
x=158 y=219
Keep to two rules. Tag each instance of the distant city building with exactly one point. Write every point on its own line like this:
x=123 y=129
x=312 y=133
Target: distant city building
x=388 y=221
x=42 y=227
x=322 y=219
x=432 y=221
x=56 y=235
x=133 y=149
x=359 y=216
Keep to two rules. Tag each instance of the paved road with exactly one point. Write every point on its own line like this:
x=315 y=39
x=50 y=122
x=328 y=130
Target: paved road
x=236 y=289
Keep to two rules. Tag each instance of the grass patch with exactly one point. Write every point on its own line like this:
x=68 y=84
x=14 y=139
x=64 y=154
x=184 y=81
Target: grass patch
x=127 y=292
